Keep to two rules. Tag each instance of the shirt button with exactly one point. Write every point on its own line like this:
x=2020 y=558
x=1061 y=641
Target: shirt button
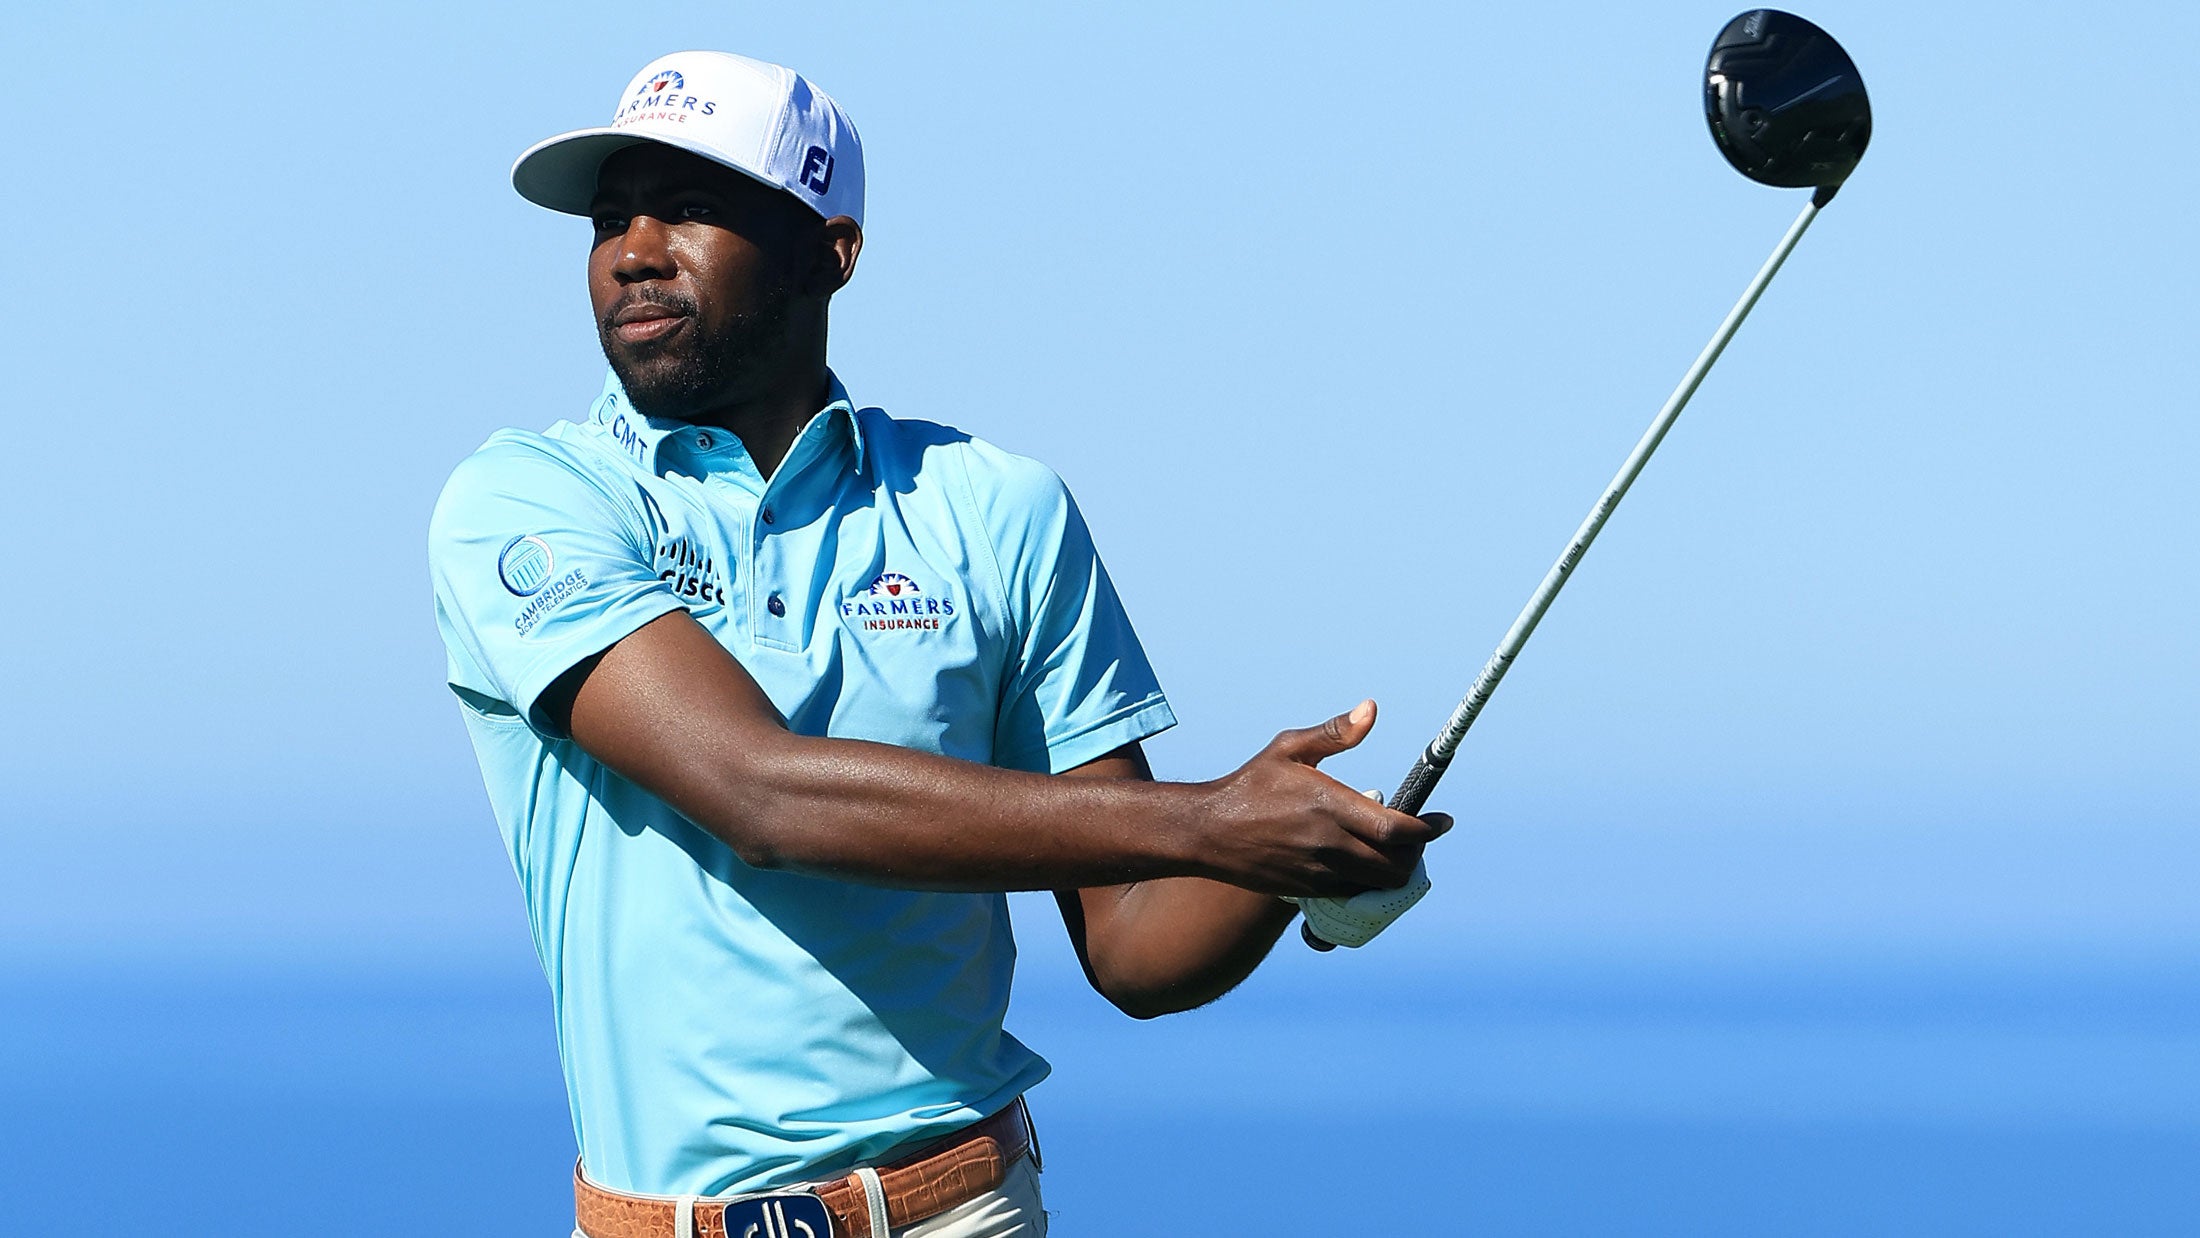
x=703 y=441
x=767 y=514
x=776 y=607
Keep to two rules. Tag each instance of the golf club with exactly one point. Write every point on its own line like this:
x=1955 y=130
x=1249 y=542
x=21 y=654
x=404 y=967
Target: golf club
x=1787 y=108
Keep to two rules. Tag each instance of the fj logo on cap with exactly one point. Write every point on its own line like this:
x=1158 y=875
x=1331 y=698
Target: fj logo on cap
x=817 y=170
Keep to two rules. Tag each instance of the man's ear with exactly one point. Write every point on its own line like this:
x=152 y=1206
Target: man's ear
x=840 y=241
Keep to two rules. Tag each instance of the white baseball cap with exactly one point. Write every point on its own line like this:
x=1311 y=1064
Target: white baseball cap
x=765 y=120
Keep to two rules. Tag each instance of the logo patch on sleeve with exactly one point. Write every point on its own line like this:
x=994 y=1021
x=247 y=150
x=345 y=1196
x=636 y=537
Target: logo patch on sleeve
x=896 y=603
x=525 y=565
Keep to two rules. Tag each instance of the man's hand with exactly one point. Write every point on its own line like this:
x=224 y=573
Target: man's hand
x=1358 y=920
x=1281 y=826
x=1160 y=946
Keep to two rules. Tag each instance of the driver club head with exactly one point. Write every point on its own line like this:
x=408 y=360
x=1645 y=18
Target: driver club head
x=1786 y=104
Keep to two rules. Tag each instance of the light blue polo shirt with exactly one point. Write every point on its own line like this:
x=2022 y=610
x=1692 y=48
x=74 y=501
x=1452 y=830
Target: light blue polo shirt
x=725 y=1028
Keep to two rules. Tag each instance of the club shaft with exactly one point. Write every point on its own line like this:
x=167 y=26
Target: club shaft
x=1414 y=791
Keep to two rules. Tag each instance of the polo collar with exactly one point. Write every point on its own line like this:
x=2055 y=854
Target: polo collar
x=641 y=438
x=840 y=409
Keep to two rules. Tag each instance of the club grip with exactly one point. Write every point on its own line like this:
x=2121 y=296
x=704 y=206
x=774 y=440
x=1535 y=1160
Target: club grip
x=1411 y=794
x=1414 y=791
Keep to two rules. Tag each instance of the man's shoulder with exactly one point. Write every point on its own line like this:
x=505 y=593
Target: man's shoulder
x=513 y=455
x=912 y=450
x=561 y=469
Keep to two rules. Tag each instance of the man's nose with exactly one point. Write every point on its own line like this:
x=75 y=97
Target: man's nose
x=645 y=251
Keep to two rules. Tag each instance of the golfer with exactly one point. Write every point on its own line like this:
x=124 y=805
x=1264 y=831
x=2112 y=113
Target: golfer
x=776 y=695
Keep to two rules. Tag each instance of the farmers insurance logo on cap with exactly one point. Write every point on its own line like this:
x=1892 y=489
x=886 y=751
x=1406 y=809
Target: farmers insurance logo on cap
x=763 y=120
x=662 y=97
x=895 y=603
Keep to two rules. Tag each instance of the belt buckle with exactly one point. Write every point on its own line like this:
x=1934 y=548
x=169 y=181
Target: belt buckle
x=793 y=1215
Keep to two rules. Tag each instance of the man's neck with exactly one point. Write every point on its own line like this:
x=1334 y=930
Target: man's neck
x=767 y=422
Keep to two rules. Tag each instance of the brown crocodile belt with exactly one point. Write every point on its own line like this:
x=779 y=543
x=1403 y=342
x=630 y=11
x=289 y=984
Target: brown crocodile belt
x=924 y=1184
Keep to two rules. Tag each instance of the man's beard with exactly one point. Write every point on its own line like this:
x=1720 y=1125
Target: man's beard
x=694 y=372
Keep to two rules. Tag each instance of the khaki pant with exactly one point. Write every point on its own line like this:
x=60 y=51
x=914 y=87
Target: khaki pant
x=1011 y=1211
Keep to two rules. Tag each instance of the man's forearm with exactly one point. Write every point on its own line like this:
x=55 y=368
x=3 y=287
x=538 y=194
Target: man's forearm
x=1159 y=947
x=884 y=815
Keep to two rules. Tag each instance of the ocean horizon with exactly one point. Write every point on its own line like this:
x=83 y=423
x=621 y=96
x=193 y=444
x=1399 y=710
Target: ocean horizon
x=2004 y=1094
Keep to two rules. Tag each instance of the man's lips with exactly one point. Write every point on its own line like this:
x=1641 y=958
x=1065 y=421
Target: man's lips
x=643 y=322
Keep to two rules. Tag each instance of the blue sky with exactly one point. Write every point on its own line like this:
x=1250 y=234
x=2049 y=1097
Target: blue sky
x=1334 y=319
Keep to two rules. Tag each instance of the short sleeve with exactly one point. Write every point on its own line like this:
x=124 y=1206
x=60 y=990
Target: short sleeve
x=539 y=563
x=1078 y=685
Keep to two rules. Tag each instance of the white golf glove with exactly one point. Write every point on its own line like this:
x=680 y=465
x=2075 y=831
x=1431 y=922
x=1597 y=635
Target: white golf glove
x=1355 y=921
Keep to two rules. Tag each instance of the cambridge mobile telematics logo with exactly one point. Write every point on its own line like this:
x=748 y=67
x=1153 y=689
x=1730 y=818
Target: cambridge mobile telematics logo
x=895 y=603
x=525 y=565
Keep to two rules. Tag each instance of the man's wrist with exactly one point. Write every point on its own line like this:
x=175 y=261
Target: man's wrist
x=1187 y=817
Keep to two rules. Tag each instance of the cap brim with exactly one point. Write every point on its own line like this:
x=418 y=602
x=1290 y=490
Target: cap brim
x=560 y=172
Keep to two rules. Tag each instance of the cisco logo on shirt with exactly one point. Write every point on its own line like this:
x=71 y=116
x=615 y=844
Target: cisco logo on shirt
x=896 y=603
x=684 y=561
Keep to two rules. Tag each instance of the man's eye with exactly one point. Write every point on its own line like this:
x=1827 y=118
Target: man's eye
x=610 y=223
x=695 y=212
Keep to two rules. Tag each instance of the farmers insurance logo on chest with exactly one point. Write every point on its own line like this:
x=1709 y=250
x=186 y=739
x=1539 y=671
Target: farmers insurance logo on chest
x=663 y=97
x=895 y=603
